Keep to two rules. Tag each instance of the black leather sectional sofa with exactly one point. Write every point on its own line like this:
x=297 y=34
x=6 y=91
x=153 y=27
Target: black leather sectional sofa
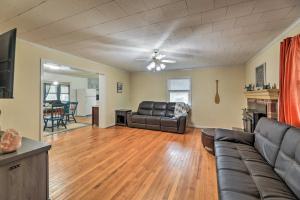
x=264 y=165
x=157 y=116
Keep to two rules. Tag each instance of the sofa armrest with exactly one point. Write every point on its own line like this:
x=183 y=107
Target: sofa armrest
x=181 y=124
x=132 y=113
x=129 y=115
x=234 y=136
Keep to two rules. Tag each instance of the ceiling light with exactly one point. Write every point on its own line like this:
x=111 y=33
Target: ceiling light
x=162 y=66
x=158 y=68
x=168 y=61
x=56 y=67
x=55 y=83
x=51 y=66
x=63 y=67
x=151 y=66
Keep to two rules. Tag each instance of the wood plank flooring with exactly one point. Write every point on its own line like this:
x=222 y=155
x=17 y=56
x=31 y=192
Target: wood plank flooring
x=130 y=164
x=86 y=120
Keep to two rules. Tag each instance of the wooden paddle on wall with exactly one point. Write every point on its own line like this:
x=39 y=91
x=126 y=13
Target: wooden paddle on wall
x=217 y=97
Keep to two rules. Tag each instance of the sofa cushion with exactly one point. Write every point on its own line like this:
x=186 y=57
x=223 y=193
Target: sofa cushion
x=159 y=109
x=227 y=162
x=153 y=120
x=141 y=119
x=167 y=121
x=273 y=189
x=153 y=127
x=238 y=151
x=145 y=108
x=170 y=109
x=268 y=137
x=235 y=181
x=137 y=125
x=231 y=195
x=262 y=169
x=288 y=161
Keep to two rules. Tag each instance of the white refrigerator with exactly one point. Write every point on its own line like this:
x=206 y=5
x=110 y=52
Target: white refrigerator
x=86 y=99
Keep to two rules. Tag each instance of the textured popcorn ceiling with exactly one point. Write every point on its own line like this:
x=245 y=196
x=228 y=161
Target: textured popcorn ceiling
x=194 y=32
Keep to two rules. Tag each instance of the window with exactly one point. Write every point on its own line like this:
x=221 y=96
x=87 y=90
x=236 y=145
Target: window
x=60 y=92
x=180 y=90
x=50 y=92
x=64 y=93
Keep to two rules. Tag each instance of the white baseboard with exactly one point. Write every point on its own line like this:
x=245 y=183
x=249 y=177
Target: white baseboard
x=201 y=126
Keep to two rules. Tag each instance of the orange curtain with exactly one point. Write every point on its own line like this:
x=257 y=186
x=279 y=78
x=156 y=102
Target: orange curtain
x=289 y=99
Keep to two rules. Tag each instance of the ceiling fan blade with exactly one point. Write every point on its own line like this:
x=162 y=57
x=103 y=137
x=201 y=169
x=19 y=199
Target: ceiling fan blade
x=168 y=61
x=142 y=59
x=160 y=56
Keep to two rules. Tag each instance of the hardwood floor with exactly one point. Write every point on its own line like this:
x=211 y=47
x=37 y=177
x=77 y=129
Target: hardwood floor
x=86 y=120
x=130 y=164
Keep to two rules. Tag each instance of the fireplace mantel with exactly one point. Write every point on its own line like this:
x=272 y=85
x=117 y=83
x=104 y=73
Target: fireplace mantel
x=270 y=94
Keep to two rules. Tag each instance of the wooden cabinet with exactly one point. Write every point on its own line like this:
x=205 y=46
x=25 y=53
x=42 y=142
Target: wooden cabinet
x=24 y=174
x=95 y=116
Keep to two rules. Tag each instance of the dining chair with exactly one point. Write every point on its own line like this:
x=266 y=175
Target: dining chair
x=71 y=111
x=55 y=115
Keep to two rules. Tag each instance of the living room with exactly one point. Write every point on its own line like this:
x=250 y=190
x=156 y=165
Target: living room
x=179 y=73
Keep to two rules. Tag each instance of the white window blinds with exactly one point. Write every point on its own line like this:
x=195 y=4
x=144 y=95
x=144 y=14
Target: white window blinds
x=179 y=84
x=180 y=90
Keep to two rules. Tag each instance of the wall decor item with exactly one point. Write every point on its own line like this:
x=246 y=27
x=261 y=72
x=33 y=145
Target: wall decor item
x=260 y=75
x=10 y=141
x=249 y=87
x=267 y=86
x=119 y=87
x=217 y=97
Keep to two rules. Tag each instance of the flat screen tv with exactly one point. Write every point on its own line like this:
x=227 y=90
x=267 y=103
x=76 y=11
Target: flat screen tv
x=7 y=62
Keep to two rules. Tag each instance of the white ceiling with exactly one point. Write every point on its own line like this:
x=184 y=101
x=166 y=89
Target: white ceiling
x=116 y=32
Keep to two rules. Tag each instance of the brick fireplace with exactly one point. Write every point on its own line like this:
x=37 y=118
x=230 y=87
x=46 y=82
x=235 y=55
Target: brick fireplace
x=260 y=103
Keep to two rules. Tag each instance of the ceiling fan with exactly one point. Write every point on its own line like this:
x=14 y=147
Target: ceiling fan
x=157 y=62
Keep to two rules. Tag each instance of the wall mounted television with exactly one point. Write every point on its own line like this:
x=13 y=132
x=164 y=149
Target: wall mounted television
x=7 y=62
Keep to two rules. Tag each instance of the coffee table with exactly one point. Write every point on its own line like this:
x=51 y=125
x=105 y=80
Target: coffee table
x=208 y=139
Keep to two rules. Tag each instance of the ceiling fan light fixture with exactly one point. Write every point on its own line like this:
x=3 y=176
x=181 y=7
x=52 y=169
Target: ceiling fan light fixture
x=158 y=61
x=151 y=66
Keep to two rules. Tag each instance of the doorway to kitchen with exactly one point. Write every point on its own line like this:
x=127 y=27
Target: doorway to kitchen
x=68 y=97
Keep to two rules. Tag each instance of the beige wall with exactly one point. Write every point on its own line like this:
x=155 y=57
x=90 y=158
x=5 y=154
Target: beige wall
x=23 y=112
x=205 y=113
x=270 y=55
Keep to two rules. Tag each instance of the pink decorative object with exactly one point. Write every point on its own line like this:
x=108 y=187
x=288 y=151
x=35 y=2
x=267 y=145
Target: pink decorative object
x=10 y=141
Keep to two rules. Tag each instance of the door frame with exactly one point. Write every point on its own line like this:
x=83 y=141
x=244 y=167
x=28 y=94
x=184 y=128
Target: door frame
x=102 y=93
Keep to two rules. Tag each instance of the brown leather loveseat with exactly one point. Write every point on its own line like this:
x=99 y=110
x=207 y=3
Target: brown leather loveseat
x=157 y=116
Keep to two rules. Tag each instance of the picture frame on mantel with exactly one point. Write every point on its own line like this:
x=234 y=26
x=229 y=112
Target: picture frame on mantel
x=260 y=76
x=119 y=87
